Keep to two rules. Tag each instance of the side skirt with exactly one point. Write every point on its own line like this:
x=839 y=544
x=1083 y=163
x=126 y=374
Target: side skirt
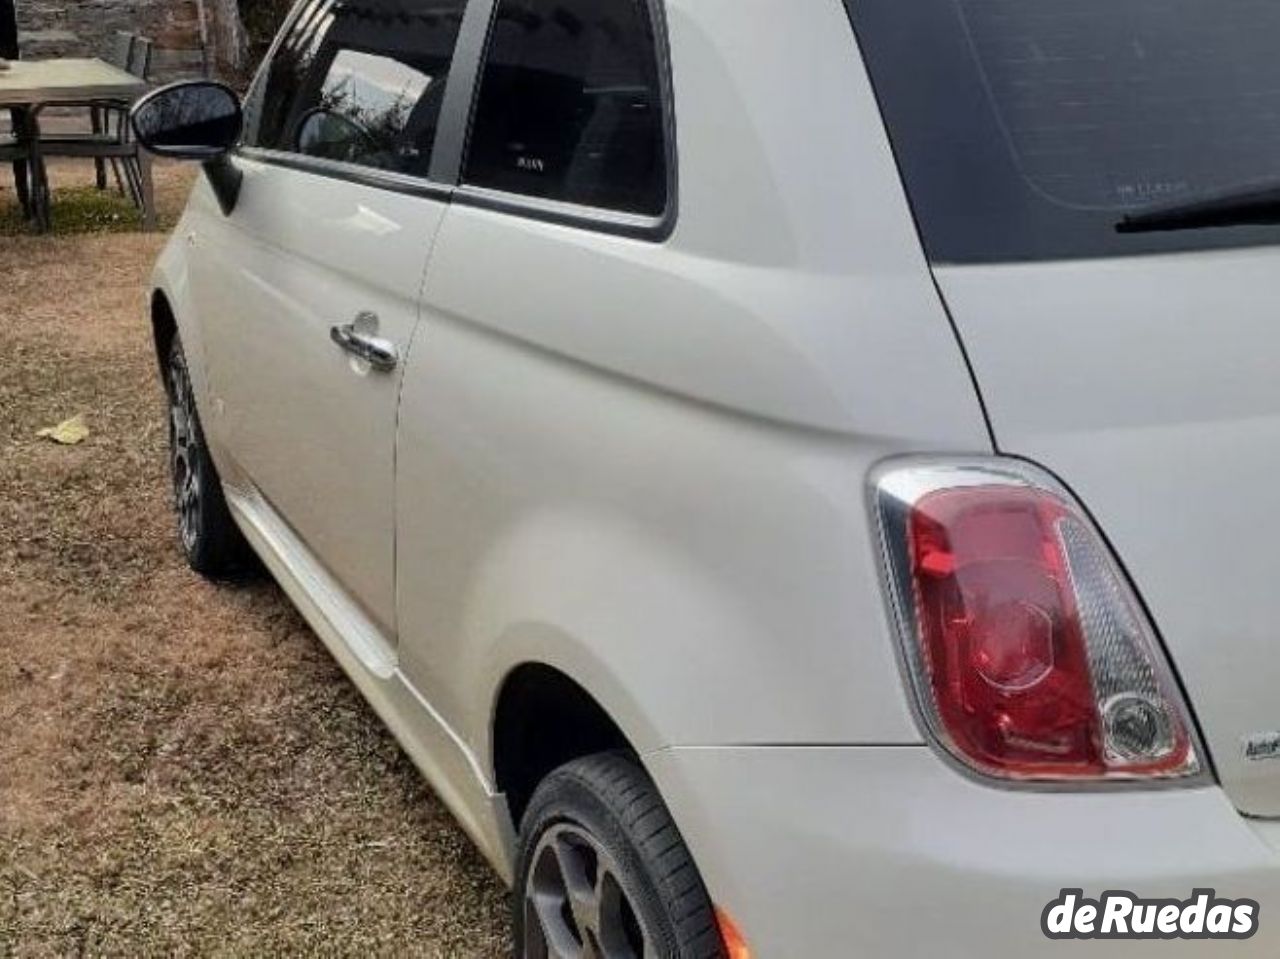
x=448 y=764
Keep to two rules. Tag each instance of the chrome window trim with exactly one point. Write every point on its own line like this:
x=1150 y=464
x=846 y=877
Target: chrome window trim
x=638 y=226
x=349 y=172
x=562 y=214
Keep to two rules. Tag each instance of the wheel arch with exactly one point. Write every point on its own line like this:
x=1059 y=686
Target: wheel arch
x=543 y=718
x=164 y=327
x=173 y=315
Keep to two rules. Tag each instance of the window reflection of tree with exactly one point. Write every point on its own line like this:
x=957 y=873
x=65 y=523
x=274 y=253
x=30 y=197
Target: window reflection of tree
x=381 y=69
x=380 y=125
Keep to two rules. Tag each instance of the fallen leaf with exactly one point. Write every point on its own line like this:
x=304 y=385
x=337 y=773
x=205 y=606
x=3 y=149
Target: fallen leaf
x=68 y=432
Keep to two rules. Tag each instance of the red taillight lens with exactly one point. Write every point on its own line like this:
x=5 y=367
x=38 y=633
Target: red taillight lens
x=1029 y=653
x=999 y=631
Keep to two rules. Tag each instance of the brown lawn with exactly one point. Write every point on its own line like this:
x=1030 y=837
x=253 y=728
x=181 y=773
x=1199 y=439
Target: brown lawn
x=183 y=768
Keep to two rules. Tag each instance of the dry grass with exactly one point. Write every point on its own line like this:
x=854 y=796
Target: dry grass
x=183 y=769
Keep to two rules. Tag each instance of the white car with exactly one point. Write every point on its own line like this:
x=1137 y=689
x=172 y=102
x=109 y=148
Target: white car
x=795 y=476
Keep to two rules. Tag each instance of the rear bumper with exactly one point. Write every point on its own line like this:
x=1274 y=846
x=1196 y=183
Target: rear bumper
x=888 y=852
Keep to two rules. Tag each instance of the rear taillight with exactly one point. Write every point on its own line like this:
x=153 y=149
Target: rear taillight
x=1029 y=654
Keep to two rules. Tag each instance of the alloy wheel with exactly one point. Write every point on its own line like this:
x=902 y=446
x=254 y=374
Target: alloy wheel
x=184 y=452
x=576 y=905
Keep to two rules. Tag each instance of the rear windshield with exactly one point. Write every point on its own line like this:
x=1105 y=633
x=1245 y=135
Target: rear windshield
x=1025 y=129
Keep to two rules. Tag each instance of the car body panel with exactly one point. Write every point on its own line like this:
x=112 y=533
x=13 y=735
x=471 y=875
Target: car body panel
x=312 y=429
x=644 y=463
x=1152 y=387
x=171 y=283
x=888 y=852
x=448 y=763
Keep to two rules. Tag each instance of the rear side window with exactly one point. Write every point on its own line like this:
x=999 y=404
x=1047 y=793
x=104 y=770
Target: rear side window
x=570 y=106
x=361 y=82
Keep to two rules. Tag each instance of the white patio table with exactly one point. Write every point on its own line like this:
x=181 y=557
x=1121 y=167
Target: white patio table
x=37 y=84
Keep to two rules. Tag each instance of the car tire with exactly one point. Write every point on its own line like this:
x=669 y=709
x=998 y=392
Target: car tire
x=213 y=544
x=602 y=870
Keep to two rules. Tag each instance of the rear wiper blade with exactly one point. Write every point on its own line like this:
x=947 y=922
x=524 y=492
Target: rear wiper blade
x=1253 y=205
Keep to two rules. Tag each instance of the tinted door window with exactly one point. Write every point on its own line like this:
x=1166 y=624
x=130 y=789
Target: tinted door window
x=361 y=81
x=570 y=106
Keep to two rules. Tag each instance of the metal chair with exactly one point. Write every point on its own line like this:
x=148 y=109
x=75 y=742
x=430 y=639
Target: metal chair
x=121 y=53
x=110 y=142
x=141 y=57
x=107 y=112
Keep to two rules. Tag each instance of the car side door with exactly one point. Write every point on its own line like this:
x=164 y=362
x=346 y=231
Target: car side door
x=311 y=285
x=554 y=237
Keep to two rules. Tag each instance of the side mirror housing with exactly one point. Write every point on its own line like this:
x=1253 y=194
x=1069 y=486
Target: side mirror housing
x=194 y=120
x=191 y=120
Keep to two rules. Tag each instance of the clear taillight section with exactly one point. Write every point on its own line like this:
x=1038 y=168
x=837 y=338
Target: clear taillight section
x=1030 y=656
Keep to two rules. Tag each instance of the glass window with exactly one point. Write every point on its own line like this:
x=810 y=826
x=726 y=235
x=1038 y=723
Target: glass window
x=361 y=81
x=1026 y=129
x=570 y=106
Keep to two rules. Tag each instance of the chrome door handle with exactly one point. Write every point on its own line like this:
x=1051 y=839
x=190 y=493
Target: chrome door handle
x=380 y=354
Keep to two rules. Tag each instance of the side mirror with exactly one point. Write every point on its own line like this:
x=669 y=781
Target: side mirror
x=194 y=120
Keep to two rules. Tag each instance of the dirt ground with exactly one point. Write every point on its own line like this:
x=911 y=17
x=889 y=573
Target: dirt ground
x=183 y=768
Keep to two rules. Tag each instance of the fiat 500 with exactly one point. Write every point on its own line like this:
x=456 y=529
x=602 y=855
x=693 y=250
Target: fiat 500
x=783 y=470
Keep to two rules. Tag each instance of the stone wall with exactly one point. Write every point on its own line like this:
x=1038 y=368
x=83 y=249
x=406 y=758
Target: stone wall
x=49 y=28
